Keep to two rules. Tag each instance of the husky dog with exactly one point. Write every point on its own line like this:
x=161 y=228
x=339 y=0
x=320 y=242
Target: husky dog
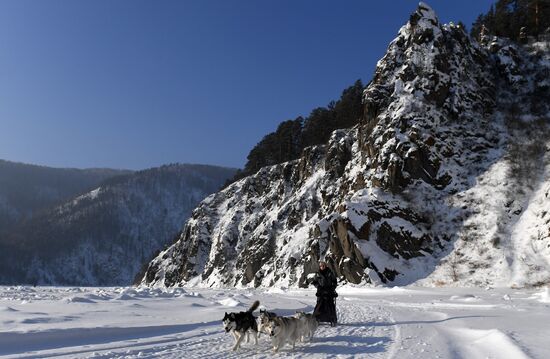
x=241 y=324
x=263 y=321
x=283 y=330
x=308 y=325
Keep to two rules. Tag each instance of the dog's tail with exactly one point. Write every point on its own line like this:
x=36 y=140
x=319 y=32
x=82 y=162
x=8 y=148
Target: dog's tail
x=254 y=306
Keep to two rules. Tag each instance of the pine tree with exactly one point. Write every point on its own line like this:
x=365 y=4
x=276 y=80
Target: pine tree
x=292 y=136
x=507 y=18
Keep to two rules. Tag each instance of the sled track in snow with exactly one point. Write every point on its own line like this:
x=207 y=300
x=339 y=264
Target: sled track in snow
x=354 y=336
x=404 y=323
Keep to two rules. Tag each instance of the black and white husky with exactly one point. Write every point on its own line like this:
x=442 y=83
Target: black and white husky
x=241 y=324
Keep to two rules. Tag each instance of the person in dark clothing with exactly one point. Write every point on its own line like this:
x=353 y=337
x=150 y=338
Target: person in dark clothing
x=325 y=282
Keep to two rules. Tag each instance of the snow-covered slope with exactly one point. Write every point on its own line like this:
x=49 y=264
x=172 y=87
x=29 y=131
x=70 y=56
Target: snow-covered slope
x=104 y=237
x=25 y=189
x=443 y=181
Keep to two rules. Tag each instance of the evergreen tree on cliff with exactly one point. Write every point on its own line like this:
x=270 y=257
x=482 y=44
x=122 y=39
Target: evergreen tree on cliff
x=507 y=18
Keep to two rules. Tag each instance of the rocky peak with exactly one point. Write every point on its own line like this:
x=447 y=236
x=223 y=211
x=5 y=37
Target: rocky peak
x=431 y=76
x=423 y=25
x=378 y=200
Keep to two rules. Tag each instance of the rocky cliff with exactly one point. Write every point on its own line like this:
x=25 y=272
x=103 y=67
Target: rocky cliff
x=405 y=196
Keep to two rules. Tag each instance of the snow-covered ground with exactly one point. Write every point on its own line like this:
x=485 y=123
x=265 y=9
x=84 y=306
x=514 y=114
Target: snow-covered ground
x=185 y=323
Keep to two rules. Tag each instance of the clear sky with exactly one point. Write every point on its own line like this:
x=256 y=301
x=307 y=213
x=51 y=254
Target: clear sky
x=136 y=84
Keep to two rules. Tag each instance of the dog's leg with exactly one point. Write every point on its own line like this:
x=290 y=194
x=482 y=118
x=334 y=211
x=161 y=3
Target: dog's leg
x=238 y=343
x=256 y=338
x=292 y=339
x=236 y=336
x=276 y=345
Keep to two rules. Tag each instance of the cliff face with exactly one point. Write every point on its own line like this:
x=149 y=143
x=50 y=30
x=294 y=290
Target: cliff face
x=398 y=198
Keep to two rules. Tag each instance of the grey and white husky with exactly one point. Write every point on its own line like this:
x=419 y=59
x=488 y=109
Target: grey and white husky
x=283 y=330
x=263 y=321
x=308 y=325
x=242 y=324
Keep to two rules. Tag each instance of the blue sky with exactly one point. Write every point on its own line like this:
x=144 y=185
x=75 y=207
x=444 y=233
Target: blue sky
x=136 y=84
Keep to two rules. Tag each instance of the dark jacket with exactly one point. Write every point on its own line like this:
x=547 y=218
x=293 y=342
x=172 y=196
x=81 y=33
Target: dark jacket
x=325 y=282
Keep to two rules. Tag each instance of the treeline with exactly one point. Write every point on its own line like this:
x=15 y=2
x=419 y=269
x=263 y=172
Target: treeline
x=514 y=19
x=292 y=136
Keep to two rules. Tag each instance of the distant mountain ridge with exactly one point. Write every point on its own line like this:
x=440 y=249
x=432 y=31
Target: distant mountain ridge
x=26 y=189
x=103 y=236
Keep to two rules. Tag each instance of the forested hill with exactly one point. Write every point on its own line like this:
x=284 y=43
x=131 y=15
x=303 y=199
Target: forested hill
x=104 y=236
x=292 y=136
x=28 y=189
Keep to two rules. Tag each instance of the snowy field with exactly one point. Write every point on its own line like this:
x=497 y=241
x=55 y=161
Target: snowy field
x=468 y=323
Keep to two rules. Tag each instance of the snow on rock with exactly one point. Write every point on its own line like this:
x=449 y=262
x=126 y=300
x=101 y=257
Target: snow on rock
x=90 y=195
x=442 y=183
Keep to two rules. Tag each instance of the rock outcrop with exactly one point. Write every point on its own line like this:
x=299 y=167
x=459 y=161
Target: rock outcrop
x=380 y=201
